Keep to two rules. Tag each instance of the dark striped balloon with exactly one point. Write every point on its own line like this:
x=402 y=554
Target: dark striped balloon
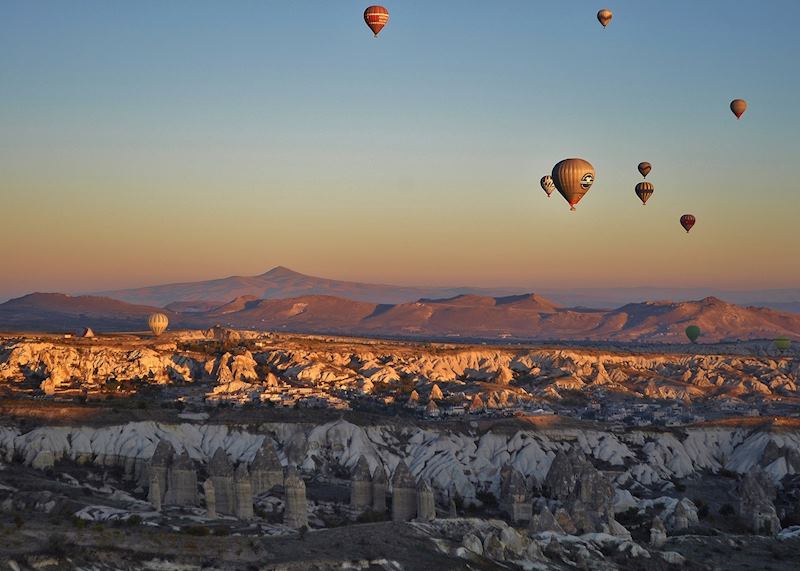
x=376 y=18
x=644 y=190
x=547 y=185
x=645 y=168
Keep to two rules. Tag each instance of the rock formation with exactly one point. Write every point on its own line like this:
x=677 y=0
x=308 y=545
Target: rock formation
x=220 y=471
x=756 y=508
x=514 y=499
x=159 y=465
x=658 y=533
x=243 y=493
x=404 y=494
x=211 y=502
x=426 y=506
x=379 y=485
x=154 y=493
x=684 y=516
x=361 y=486
x=44 y=460
x=181 y=482
x=564 y=520
x=545 y=521
x=266 y=470
x=295 y=513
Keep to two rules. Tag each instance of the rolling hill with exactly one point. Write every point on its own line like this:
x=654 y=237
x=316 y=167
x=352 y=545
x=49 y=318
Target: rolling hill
x=470 y=316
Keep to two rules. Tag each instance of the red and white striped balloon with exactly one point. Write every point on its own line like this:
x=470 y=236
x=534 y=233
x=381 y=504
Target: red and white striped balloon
x=376 y=18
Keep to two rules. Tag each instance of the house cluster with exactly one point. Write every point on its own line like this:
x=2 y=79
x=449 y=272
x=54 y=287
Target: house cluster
x=460 y=404
x=670 y=413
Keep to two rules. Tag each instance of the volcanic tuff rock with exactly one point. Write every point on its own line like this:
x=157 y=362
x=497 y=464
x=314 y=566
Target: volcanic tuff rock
x=296 y=510
x=266 y=470
x=526 y=374
x=756 y=493
x=453 y=462
x=361 y=485
x=404 y=494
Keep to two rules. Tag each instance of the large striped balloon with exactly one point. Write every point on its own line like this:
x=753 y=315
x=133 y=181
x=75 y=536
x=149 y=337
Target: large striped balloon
x=158 y=323
x=573 y=179
x=376 y=18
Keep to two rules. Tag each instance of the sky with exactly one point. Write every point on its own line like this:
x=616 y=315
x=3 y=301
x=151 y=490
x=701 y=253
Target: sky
x=150 y=142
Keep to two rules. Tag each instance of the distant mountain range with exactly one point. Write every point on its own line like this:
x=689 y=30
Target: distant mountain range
x=283 y=283
x=517 y=317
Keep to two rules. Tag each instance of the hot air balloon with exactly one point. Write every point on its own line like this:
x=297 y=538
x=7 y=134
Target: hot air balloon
x=687 y=221
x=573 y=178
x=547 y=185
x=604 y=17
x=645 y=168
x=644 y=190
x=738 y=106
x=158 y=323
x=376 y=18
x=782 y=344
x=693 y=332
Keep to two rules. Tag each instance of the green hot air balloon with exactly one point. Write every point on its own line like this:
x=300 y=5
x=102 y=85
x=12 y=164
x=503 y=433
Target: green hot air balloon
x=693 y=332
x=782 y=344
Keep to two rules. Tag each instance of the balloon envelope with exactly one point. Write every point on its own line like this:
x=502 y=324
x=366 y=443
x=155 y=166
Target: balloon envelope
x=573 y=178
x=376 y=18
x=157 y=323
x=604 y=16
x=644 y=168
x=693 y=332
x=738 y=106
x=547 y=185
x=644 y=190
x=687 y=221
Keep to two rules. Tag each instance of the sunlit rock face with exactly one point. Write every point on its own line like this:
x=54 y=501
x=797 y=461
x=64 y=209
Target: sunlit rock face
x=516 y=376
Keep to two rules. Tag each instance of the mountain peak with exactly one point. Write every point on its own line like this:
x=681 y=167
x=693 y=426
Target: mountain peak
x=281 y=272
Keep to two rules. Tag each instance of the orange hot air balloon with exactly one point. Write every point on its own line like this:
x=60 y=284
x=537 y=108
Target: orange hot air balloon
x=547 y=185
x=376 y=18
x=604 y=16
x=645 y=168
x=644 y=190
x=738 y=106
x=687 y=221
x=573 y=179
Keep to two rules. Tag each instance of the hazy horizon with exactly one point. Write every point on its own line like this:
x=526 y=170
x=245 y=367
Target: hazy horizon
x=154 y=143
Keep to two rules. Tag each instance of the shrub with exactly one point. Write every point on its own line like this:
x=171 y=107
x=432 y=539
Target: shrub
x=726 y=510
x=134 y=520
x=487 y=498
x=370 y=516
x=56 y=545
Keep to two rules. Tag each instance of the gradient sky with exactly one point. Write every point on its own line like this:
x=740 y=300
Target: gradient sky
x=150 y=141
